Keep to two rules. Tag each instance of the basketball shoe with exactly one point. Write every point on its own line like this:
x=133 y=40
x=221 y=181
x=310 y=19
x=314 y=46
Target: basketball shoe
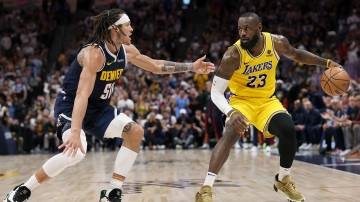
x=204 y=195
x=287 y=186
x=114 y=196
x=19 y=194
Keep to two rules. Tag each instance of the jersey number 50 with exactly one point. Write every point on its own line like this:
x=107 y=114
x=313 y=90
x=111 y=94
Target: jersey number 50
x=252 y=80
x=108 y=91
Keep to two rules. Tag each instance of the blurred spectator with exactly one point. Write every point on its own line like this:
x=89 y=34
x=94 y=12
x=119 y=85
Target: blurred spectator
x=312 y=127
x=154 y=135
x=182 y=102
x=332 y=127
x=125 y=103
x=298 y=115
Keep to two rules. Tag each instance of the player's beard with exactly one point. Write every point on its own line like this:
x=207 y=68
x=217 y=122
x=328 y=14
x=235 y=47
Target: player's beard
x=251 y=43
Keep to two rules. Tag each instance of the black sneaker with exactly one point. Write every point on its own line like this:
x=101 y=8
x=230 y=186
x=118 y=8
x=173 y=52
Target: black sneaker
x=114 y=196
x=19 y=194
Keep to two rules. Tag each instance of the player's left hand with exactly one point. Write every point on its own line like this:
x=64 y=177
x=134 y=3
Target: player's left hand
x=71 y=145
x=202 y=67
x=332 y=64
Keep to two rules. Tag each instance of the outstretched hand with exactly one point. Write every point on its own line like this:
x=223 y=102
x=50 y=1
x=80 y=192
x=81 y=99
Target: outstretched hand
x=332 y=64
x=202 y=67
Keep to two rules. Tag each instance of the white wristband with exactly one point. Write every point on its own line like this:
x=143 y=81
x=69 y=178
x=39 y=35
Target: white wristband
x=218 y=88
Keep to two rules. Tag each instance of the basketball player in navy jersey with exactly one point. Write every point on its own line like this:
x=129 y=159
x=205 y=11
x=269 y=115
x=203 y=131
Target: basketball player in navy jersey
x=83 y=105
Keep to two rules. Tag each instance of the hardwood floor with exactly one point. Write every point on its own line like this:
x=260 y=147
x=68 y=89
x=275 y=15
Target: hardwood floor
x=167 y=175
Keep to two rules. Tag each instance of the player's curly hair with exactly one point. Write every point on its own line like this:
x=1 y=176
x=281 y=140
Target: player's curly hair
x=101 y=24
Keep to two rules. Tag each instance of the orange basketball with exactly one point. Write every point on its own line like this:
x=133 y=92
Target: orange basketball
x=335 y=81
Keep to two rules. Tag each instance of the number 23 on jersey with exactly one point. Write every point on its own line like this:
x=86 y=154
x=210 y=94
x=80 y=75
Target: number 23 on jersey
x=253 y=83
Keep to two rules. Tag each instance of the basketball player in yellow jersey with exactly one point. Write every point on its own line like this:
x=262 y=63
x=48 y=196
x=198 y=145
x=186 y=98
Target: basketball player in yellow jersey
x=248 y=68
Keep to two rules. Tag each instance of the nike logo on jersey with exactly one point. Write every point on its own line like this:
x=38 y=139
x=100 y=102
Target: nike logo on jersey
x=110 y=63
x=258 y=67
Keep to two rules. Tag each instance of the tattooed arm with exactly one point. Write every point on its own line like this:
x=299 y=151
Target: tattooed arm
x=166 y=67
x=283 y=47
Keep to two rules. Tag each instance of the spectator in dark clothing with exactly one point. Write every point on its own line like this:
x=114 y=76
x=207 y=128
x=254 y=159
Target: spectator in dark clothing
x=153 y=132
x=313 y=129
x=214 y=123
x=168 y=124
x=198 y=126
x=188 y=134
x=332 y=127
x=298 y=115
x=355 y=124
x=350 y=111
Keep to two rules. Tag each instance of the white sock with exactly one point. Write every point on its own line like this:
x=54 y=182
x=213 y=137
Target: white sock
x=210 y=179
x=124 y=161
x=283 y=172
x=32 y=183
x=116 y=183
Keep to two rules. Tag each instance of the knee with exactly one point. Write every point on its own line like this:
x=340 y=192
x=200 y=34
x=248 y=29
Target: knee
x=136 y=133
x=288 y=129
x=282 y=125
x=72 y=160
x=230 y=135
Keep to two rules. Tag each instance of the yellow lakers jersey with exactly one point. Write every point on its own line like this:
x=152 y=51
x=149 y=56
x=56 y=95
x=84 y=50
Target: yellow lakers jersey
x=256 y=76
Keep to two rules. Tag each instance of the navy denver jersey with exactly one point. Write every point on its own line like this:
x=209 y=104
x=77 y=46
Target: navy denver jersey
x=106 y=77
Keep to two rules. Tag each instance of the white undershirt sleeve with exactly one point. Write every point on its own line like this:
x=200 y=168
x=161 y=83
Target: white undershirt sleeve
x=218 y=88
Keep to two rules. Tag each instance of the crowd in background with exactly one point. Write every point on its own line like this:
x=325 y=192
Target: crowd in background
x=176 y=110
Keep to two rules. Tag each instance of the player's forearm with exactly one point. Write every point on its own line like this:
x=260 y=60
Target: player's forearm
x=78 y=113
x=306 y=57
x=169 y=67
x=218 y=88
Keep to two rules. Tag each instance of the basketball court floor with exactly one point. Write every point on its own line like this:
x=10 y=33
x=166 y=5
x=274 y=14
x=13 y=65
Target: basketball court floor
x=176 y=175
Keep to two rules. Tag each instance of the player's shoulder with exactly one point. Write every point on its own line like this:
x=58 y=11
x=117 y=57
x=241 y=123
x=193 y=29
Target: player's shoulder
x=232 y=52
x=278 y=38
x=130 y=48
x=91 y=54
x=93 y=50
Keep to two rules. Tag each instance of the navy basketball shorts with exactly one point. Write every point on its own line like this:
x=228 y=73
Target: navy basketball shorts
x=102 y=122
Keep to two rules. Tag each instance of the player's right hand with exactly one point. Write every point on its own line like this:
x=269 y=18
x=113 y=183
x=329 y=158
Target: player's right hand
x=237 y=121
x=332 y=64
x=72 y=144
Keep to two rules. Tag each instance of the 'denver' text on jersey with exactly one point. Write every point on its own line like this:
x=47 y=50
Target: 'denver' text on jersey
x=106 y=77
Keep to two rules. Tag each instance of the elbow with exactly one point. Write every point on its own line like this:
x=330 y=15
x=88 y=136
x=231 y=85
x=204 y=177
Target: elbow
x=82 y=95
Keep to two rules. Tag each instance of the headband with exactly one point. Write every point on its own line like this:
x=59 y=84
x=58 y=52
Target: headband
x=122 y=20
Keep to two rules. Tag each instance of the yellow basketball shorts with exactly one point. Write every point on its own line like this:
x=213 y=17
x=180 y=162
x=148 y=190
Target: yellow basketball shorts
x=258 y=111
